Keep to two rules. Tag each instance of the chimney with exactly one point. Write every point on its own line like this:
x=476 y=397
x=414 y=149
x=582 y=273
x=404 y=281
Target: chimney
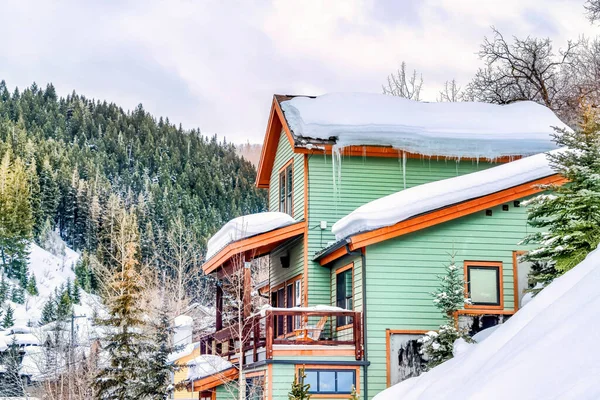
x=183 y=330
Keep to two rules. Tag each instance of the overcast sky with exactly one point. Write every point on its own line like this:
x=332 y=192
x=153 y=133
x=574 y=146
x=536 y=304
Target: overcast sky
x=216 y=64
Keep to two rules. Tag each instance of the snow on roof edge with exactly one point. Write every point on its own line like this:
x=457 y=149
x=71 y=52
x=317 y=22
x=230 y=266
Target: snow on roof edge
x=408 y=203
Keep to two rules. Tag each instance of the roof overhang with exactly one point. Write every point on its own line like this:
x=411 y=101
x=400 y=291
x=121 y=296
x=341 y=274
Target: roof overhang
x=277 y=122
x=214 y=380
x=435 y=217
x=254 y=246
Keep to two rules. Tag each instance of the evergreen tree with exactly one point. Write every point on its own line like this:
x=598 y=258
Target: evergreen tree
x=353 y=394
x=18 y=295
x=76 y=294
x=568 y=218
x=127 y=346
x=450 y=295
x=48 y=312
x=11 y=384
x=159 y=370
x=9 y=319
x=64 y=306
x=299 y=388
x=4 y=288
x=32 y=286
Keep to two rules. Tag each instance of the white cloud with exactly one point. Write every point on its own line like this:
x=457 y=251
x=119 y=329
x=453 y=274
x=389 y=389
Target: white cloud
x=216 y=64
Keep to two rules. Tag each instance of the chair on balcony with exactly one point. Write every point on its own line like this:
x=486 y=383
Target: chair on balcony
x=310 y=333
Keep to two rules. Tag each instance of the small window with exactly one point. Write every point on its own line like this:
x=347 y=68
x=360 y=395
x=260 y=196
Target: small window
x=255 y=388
x=286 y=188
x=343 y=293
x=327 y=381
x=484 y=283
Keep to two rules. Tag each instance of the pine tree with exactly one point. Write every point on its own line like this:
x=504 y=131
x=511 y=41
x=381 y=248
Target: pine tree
x=353 y=394
x=18 y=295
x=127 y=346
x=76 y=294
x=4 y=288
x=159 y=371
x=568 y=218
x=11 y=384
x=450 y=295
x=32 y=286
x=48 y=312
x=64 y=306
x=9 y=319
x=299 y=388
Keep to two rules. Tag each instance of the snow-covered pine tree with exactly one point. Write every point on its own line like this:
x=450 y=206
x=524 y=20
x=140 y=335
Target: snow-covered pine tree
x=448 y=298
x=9 y=319
x=32 y=286
x=299 y=388
x=450 y=295
x=11 y=384
x=48 y=312
x=18 y=295
x=126 y=344
x=4 y=288
x=568 y=218
x=76 y=293
x=158 y=383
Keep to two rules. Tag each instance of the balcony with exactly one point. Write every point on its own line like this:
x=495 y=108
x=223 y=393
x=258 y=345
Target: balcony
x=275 y=331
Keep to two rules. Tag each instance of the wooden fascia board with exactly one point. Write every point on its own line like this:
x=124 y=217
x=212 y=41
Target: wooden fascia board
x=267 y=154
x=263 y=239
x=217 y=379
x=453 y=212
x=334 y=255
x=391 y=152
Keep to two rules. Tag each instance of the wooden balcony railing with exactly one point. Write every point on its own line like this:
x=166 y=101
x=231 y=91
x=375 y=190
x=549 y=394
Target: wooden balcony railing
x=258 y=334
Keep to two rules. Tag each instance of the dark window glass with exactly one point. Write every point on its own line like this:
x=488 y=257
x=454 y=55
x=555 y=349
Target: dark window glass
x=484 y=285
x=286 y=188
x=330 y=381
x=289 y=304
x=344 y=295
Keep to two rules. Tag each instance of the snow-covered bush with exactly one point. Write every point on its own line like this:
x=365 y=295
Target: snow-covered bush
x=438 y=347
x=450 y=296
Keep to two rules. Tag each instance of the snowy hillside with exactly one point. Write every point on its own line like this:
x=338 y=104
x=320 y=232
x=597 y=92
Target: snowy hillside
x=520 y=359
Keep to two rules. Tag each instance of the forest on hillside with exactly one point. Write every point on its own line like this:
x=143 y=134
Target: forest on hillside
x=75 y=165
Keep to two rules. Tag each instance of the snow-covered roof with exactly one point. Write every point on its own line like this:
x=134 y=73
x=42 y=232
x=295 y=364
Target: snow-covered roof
x=547 y=350
x=185 y=351
x=465 y=129
x=183 y=320
x=420 y=199
x=246 y=226
x=206 y=365
x=23 y=339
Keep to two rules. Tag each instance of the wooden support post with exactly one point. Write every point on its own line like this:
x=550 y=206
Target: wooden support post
x=255 y=338
x=269 y=338
x=357 y=336
x=219 y=306
x=247 y=301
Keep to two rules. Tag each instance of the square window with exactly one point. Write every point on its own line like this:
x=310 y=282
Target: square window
x=312 y=380
x=345 y=381
x=484 y=284
x=330 y=381
x=326 y=381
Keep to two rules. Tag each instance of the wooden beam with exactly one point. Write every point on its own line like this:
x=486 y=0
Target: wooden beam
x=219 y=305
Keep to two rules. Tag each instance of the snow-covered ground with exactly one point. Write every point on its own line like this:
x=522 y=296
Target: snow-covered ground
x=547 y=350
x=461 y=129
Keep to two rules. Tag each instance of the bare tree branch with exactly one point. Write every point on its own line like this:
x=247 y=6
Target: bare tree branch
x=403 y=85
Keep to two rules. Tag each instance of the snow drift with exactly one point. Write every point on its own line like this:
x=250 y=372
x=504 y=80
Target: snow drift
x=246 y=226
x=408 y=203
x=547 y=350
x=206 y=365
x=445 y=129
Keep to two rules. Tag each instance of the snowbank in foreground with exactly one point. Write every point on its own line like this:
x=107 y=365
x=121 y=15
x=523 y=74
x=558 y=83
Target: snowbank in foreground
x=413 y=201
x=547 y=350
x=246 y=226
x=445 y=129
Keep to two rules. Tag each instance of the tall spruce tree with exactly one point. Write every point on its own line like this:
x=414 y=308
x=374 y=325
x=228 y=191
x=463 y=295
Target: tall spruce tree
x=32 y=286
x=300 y=390
x=567 y=217
x=48 y=311
x=8 y=319
x=11 y=383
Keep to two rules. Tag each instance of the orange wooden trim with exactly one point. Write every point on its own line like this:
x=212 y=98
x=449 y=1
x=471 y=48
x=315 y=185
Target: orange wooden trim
x=344 y=268
x=286 y=128
x=347 y=326
x=485 y=312
x=250 y=243
x=334 y=255
x=305 y=249
x=332 y=366
x=215 y=380
x=286 y=282
x=515 y=256
x=487 y=264
x=269 y=381
x=313 y=352
x=451 y=212
x=282 y=171
x=391 y=152
x=254 y=374
x=388 y=334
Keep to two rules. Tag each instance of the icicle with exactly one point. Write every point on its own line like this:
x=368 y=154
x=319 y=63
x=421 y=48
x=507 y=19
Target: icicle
x=404 y=168
x=336 y=163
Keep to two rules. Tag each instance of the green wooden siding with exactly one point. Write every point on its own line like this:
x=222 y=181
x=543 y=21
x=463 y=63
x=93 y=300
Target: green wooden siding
x=295 y=249
x=401 y=273
x=284 y=155
x=362 y=180
x=357 y=298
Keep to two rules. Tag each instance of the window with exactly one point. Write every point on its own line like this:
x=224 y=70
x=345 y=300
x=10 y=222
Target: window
x=255 y=388
x=484 y=283
x=328 y=381
x=288 y=294
x=285 y=189
x=343 y=292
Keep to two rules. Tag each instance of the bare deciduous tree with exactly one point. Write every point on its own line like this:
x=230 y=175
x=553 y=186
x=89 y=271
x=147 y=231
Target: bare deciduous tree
x=403 y=85
x=592 y=10
x=451 y=92
x=527 y=69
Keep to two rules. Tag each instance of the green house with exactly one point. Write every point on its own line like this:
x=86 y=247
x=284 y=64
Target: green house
x=368 y=197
